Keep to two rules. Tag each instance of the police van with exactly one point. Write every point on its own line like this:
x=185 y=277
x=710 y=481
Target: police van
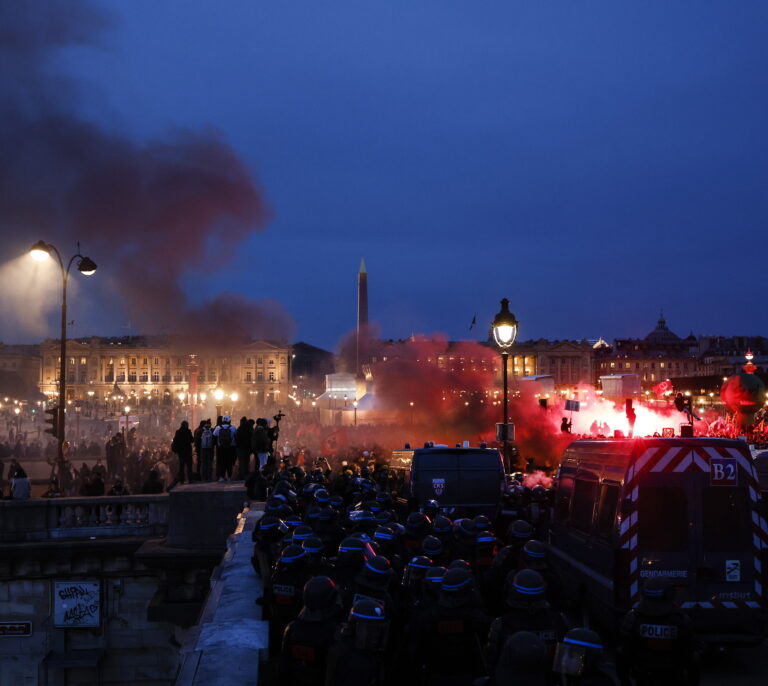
x=687 y=509
x=464 y=480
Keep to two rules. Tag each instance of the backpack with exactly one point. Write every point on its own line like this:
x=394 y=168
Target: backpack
x=225 y=436
x=206 y=438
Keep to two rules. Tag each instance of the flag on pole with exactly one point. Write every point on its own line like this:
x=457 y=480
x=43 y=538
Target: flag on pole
x=474 y=321
x=571 y=405
x=661 y=388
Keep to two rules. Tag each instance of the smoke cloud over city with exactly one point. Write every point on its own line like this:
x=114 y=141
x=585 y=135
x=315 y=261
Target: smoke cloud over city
x=148 y=212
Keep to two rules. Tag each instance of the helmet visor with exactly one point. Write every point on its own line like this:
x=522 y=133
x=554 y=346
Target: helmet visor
x=371 y=636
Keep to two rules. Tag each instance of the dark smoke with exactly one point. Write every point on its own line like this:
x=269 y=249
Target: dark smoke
x=147 y=211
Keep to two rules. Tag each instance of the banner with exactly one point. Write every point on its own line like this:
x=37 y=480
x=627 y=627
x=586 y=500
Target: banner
x=571 y=405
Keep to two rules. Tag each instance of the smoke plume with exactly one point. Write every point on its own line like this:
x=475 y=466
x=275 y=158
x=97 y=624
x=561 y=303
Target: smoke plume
x=148 y=212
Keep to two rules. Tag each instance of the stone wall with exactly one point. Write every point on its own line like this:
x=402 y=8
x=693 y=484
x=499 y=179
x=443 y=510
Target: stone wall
x=135 y=651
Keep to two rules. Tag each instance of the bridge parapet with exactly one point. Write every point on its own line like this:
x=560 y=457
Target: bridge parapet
x=83 y=518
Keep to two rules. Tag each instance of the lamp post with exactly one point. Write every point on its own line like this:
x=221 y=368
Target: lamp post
x=218 y=395
x=354 y=404
x=411 y=404
x=127 y=409
x=41 y=251
x=505 y=333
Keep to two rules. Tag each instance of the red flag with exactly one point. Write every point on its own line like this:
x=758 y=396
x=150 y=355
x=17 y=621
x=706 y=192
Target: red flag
x=661 y=388
x=333 y=442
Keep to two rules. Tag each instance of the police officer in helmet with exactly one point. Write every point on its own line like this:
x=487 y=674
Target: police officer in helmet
x=579 y=659
x=525 y=595
x=656 y=644
x=308 y=638
x=357 y=656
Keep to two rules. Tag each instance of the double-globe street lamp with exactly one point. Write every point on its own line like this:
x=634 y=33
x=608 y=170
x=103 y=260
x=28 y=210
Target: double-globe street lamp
x=505 y=333
x=41 y=251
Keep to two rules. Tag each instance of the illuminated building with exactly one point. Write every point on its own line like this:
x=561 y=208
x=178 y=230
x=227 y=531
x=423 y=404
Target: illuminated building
x=153 y=366
x=662 y=354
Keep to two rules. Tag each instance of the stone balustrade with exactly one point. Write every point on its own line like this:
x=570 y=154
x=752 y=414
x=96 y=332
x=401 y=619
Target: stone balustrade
x=83 y=518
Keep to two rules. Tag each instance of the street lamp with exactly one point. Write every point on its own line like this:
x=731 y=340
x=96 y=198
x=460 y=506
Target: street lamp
x=127 y=409
x=218 y=395
x=354 y=404
x=40 y=252
x=234 y=397
x=505 y=333
x=411 y=404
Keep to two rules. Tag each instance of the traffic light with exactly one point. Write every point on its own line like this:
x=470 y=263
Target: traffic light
x=53 y=421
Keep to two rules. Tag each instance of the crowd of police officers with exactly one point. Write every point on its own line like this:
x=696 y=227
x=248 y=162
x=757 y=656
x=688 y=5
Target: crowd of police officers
x=359 y=591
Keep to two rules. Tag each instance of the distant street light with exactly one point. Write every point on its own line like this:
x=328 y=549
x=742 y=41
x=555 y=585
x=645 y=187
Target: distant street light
x=40 y=252
x=505 y=333
x=354 y=404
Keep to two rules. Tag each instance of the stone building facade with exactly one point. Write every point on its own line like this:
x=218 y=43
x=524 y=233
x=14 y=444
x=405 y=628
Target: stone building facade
x=96 y=367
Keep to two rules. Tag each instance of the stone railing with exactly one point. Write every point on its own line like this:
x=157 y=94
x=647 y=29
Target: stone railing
x=42 y=519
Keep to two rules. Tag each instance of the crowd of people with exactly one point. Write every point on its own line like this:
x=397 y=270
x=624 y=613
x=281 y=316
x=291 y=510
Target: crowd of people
x=359 y=590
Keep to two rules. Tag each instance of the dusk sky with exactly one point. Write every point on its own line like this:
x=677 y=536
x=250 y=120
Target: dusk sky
x=594 y=162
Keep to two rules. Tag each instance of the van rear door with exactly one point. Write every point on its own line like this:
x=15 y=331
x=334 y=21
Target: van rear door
x=666 y=512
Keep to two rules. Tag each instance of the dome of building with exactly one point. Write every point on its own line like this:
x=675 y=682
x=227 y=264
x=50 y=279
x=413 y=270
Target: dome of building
x=661 y=334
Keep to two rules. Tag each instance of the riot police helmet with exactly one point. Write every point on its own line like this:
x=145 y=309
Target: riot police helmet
x=367 y=623
x=458 y=563
x=535 y=555
x=313 y=545
x=482 y=523
x=658 y=595
x=322 y=496
x=417 y=524
x=519 y=530
x=321 y=599
x=579 y=653
x=292 y=555
x=456 y=587
x=442 y=525
x=431 y=509
x=432 y=546
x=525 y=589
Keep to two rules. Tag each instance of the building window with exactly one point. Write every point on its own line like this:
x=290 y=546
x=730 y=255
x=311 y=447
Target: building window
x=177 y=377
x=144 y=377
x=132 y=377
x=156 y=360
x=72 y=360
x=259 y=376
x=271 y=376
x=155 y=377
x=260 y=360
x=248 y=377
x=248 y=360
x=83 y=361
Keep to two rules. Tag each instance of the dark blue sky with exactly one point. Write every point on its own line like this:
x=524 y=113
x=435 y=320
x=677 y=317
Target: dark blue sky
x=591 y=161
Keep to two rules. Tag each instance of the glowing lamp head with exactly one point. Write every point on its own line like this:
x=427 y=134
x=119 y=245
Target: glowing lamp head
x=127 y=409
x=40 y=251
x=234 y=397
x=87 y=267
x=218 y=394
x=505 y=326
x=180 y=396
